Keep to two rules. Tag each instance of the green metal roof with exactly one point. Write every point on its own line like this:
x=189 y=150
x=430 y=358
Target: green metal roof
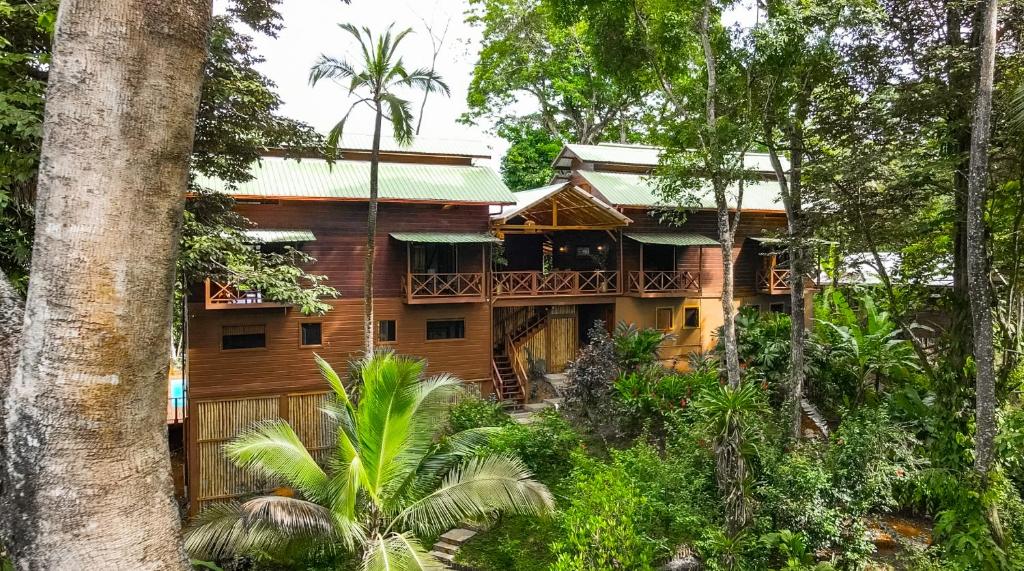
x=642 y=155
x=623 y=189
x=276 y=177
x=678 y=239
x=444 y=237
x=271 y=236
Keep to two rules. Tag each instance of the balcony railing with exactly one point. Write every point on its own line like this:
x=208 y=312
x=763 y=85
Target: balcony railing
x=443 y=288
x=778 y=281
x=663 y=283
x=567 y=283
x=229 y=296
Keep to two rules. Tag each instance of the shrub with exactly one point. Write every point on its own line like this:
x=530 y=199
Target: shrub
x=588 y=395
x=602 y=524
x=545 y=446
x=636 y=348
x=475 y=412
x=871 y=460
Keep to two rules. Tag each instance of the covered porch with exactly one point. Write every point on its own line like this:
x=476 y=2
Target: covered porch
x=444 y=267
x=665 y=264
x=557 y=241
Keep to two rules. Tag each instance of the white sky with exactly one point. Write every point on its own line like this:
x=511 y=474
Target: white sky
x=311 y=29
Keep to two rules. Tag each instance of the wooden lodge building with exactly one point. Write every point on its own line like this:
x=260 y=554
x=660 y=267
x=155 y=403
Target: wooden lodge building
x=478 y=280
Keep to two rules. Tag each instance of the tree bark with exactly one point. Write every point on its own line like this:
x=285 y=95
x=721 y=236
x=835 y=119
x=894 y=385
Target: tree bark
x=725 y=229
x=11 y=316
x=87 y=464
x=790 y=188
x=371 y=235
x=977 y=267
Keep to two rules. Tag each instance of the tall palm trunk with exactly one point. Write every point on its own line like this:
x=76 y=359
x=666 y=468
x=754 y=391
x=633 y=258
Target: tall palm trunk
x=371 y=234
x=87 y=468
x=977 y=268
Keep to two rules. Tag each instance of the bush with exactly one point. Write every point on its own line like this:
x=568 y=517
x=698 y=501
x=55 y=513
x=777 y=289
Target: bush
x=545 y=446
x=588 y=395
x=872 y=460
x=636 y=348
x=602 y=525
x=475 y=412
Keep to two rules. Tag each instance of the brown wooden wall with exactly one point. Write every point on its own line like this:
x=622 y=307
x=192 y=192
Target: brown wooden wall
x=340 y=230
x=747 y=254
x=284 y=366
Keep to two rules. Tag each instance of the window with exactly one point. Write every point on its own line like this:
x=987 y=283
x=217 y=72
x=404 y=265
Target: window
x=691 y=317
x=243 y=337
x=446 y=329
x=387 y=332
x=777 y=307
x=663 y=318
x=311 y=334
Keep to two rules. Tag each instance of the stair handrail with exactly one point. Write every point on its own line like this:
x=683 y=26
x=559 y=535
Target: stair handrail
x=496 y=379
x=517 y=367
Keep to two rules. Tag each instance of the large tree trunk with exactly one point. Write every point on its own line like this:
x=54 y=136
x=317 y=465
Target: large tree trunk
x=11 y=317
x=87 y=464
x=371 y=237
x=977 y=268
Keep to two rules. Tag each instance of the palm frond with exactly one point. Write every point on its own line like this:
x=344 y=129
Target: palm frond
x=399 y=552
x=400 y=115
x=384 y=415
x=427 y=80
x=327 y=67
x=273 y=450
x=1015 y=109
x=474 y=489
x=224 y=530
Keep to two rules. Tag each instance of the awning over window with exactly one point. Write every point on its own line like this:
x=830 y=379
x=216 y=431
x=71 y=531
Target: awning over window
x=444 y=237
x=678 y=239
x=273 y=236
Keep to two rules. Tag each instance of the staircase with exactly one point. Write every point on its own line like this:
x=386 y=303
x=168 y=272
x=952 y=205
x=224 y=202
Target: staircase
x=509 y=375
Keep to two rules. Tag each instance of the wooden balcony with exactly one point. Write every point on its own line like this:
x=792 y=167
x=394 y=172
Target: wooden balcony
x=506 y=285
x=229 y=296
x=777 y=281
x=662 y=283
x=444 y=288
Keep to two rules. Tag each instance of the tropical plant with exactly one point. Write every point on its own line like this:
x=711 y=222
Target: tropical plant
x=588 y=396
x=381 y=74
x=637 y=348
x=871 y=347
x=727 y=412
x=390 y=479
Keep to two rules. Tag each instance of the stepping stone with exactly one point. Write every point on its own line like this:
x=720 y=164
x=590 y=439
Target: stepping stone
x=445 y=547
x=536 y=406
x=457 y=536
x=555 y=402
x=447 y=557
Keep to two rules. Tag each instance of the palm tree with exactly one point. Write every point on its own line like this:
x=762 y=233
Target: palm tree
x=381 y=74
x=390 y=479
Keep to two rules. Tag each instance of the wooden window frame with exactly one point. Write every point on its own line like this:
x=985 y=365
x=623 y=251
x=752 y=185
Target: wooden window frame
x=266 y=338
x=671 y=318
x=426 y=328
x=772 y=305
x=695 y=308
x=304 y=323
x=377 y=332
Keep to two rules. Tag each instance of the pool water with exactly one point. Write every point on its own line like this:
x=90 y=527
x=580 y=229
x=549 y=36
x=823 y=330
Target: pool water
x=177 y=388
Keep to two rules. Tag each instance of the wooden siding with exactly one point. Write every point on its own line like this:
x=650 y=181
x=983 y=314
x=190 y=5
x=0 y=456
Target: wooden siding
x=340 y=230
x=285 y=366
x=747 y=254
x=558 y=342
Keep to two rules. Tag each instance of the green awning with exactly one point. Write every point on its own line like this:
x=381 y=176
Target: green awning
x=680 y=239
x=444 y=237
x=273 y=236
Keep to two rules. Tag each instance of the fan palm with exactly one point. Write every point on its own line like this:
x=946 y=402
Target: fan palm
x=390 y=478
x=380 y=74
